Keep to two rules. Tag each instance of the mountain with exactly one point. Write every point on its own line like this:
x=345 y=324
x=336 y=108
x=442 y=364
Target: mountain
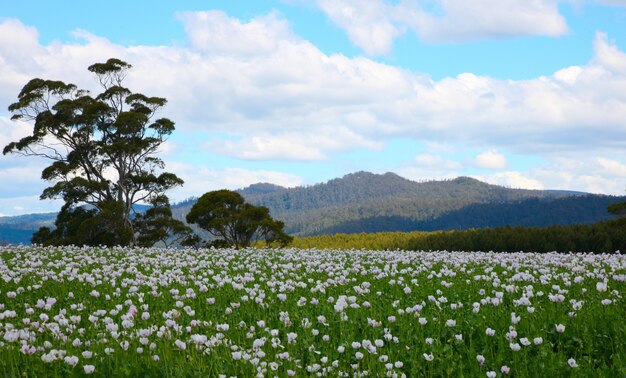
x=19 y=229
x=260 y=189
x=532 y=212
x=368 y=202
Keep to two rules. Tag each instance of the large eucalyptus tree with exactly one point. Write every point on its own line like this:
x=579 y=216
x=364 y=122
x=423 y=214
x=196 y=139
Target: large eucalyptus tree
x=102 y=149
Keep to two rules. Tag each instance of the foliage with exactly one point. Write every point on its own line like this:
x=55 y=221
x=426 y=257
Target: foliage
x=618 y=208
x=102 y=148
x=227 y=216
x=82 y=226
x=602 y=237
x=401 y=205
x=156 y=225
x=139 y=312
x=366 y=202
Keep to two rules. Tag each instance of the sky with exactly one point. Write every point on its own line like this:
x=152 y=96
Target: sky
x=525 y=94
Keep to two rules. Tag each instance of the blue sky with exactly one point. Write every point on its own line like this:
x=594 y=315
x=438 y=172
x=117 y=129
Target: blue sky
x=518 y=93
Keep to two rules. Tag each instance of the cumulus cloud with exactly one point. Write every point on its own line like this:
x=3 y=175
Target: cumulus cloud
x=459 y=20
x=373 y=24
x=567 y=172
x=292 y=146
x=607 y=55
x=369 y=23
x=437 y=162
x=429 y=166
x=201 y=179
x=294 y=89
x=283 y=98
x=512 y=179
x=583 y=172
x=217 y=33
x=491 y=159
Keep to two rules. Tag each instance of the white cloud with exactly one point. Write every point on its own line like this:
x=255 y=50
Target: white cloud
x=611 y=167
x=216 y=33
x=460 y=20
x=574 y=171
x=285 y=99
x=200 y=179
x=292 y=88
x=292 y=146
x=373 y=24
x=437 y=162
x=607 y=55
x=569 y=172
x=512 y=179
x=430 y=167
x=268 y=148
x=12 y=131
x=369 y=23
x=491 y=159
x=440 y=147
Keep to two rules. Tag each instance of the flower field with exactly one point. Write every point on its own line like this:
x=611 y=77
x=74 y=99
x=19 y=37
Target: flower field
x=166 y=312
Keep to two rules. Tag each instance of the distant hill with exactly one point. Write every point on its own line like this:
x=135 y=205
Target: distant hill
x=368 y=202
x=19 y=229
x=533 y=212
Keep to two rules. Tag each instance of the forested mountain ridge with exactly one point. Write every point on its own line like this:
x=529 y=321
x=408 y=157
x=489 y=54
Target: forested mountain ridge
x=365 y=187
x=368 y=202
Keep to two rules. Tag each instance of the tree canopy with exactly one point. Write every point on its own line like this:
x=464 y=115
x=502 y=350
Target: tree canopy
x=226 y=215
x=157 y=225
x=102 y=148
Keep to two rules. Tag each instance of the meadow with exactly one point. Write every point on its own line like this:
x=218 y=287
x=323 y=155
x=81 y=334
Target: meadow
x=303 y=312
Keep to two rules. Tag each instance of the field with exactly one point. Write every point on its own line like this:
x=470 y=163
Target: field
x=294 y=312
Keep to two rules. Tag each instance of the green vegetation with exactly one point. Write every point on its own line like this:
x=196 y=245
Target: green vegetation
x=233 y=222
x=367 y=202
x=603 y=237
x=101 y=151
x=396 y=204
x=138 y=312
x=156 y=225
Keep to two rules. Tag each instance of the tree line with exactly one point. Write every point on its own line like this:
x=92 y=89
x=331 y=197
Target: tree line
x=602 y=237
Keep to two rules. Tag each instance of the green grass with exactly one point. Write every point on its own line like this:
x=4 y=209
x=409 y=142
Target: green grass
x=388 y=295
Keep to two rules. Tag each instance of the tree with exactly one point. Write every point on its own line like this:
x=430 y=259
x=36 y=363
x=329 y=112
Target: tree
x=620 y=210
x=226 y=215
x=102 y=149
x=158 y=225
x=617 y=208
x=82 y=226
